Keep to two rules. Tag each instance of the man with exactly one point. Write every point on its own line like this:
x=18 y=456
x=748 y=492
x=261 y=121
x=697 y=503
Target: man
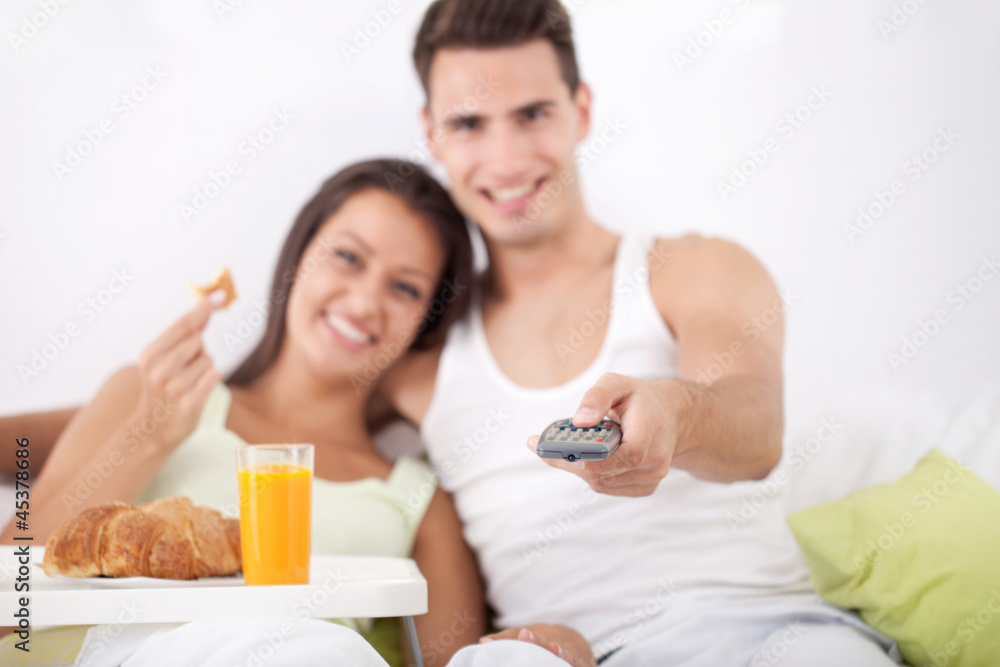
x=634 y=553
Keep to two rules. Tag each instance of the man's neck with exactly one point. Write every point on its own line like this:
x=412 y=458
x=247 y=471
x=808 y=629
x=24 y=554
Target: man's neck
x=519 y=269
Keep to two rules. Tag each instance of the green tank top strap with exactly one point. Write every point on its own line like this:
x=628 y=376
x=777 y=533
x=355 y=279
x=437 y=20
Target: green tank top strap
x=216 y=411
x=414 y=483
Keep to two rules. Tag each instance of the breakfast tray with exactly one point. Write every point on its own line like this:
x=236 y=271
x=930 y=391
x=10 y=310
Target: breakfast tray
x=340 y=587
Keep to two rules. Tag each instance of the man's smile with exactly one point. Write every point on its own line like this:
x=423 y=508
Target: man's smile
x=512 y=198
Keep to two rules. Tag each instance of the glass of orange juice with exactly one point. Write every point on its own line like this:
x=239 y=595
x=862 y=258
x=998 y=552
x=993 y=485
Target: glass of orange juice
x=275 y=484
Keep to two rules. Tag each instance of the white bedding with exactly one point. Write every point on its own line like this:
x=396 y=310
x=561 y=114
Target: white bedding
x=882 y=437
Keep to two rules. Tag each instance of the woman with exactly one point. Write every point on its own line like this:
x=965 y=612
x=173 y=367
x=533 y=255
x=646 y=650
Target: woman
x=359 y=281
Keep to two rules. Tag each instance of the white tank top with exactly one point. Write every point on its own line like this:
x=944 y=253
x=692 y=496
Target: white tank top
x=551 y=549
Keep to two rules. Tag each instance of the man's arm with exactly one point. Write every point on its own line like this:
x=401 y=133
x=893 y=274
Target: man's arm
x=721 y=419
x=41 y=428
x=728 y=321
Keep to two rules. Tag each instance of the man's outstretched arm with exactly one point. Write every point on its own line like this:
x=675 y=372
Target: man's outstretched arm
x=721 y=419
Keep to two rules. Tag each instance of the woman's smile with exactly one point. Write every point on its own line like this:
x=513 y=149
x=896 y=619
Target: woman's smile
x=348 y=331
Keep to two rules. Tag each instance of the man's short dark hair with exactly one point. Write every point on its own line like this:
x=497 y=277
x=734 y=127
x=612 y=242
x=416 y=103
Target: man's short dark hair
x=493 y=24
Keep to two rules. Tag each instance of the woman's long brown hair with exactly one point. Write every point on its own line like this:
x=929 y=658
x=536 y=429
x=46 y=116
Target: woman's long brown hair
x=425 y=197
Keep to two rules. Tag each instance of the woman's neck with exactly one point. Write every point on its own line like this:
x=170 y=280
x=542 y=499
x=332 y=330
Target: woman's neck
x=296 y=400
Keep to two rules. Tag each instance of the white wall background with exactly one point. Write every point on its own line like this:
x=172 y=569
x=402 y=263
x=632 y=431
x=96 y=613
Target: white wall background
x=61 y=240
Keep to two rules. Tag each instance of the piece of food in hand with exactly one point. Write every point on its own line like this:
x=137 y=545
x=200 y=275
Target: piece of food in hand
x=169 y=538
x=223 y=281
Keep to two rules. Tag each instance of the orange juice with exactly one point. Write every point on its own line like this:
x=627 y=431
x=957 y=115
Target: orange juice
x=275 y=523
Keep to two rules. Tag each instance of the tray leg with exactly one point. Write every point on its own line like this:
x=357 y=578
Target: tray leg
x=411 y=639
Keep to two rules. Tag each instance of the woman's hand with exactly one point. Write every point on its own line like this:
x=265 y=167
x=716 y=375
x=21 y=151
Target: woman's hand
x=176 y=378
x=564 y=642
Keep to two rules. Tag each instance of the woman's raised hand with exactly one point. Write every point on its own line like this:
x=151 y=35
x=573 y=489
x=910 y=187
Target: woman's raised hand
x=177 y=377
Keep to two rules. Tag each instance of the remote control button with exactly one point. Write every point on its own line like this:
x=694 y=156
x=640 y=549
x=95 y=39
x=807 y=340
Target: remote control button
x=600 y=440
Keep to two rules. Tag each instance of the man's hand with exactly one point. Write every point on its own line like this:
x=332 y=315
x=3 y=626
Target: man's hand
x=649 y=416
x=564 y=642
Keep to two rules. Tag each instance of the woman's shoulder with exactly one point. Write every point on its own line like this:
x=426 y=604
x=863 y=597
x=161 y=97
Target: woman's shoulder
x=409 y=472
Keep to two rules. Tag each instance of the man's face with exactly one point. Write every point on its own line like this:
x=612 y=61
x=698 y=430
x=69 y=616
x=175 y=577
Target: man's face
x=505 y=126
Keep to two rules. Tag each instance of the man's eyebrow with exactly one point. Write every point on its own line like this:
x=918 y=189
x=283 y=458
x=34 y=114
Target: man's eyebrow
x=534 y=106
x=455 y=117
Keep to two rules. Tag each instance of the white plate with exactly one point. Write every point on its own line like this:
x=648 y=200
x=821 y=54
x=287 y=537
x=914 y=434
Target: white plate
x=144 y=582
x=150 y=582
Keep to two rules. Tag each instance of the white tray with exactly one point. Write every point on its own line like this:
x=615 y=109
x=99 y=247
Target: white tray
x=340 y=587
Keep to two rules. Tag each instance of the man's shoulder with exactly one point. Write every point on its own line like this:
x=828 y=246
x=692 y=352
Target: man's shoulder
x=695 y=269
x=692 y=252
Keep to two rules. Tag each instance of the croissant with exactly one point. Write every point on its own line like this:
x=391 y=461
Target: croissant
x=169 y=538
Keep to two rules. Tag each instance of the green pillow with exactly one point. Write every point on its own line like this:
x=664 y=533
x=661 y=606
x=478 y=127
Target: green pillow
x=918 y=559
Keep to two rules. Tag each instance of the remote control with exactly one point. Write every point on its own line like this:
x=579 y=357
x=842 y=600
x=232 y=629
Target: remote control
x=562 y=440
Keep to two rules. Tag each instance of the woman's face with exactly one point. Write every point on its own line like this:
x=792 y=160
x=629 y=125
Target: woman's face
x=363 y=286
